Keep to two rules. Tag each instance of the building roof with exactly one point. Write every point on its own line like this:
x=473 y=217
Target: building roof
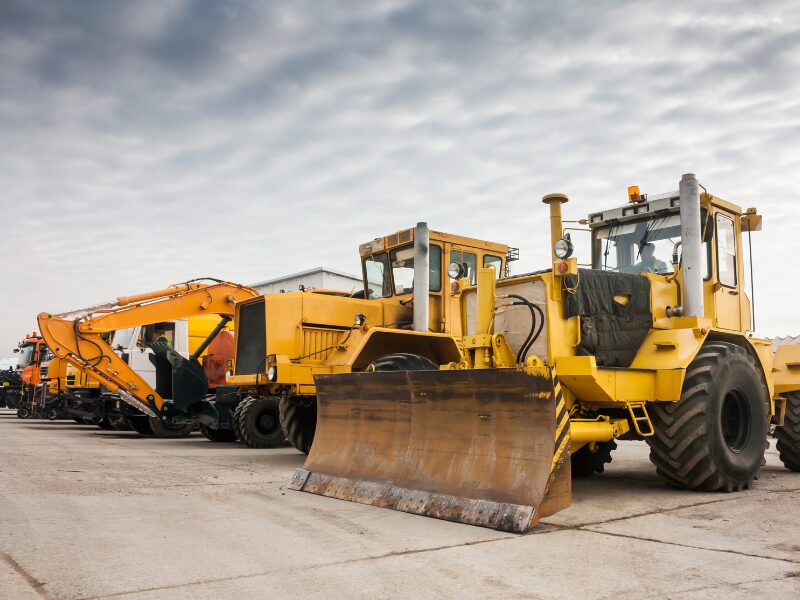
x=306 y=273
x=785 y=340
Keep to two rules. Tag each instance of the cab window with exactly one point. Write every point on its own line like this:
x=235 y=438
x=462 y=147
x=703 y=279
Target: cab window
x=377 y=280
x=494 y=261
x=726 y=251
x=470 y=262
x=402 y=261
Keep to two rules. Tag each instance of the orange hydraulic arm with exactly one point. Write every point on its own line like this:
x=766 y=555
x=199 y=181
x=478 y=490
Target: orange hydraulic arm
x=78 y=339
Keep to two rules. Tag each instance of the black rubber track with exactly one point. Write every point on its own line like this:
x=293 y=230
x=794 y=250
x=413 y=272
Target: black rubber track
x=218 y=435
x=258 y=423
x=692 y=446
x=299 y=421
x=788 y=435
x=164 y=430
x=586 y=462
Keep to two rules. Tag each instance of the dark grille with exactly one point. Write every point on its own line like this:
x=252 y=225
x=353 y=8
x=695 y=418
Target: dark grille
x=251 y=339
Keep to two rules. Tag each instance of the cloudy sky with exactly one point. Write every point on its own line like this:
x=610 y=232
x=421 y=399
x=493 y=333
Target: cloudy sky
x=145 y=143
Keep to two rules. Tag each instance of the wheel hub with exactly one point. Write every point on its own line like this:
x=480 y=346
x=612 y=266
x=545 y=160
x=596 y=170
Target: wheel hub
x=735 y=420
x=265 y=422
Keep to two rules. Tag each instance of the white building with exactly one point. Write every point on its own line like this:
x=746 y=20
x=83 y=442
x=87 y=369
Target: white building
x=320 y=277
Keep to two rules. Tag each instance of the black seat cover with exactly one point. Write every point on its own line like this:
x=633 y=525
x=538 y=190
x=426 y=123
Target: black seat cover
x=610 y=331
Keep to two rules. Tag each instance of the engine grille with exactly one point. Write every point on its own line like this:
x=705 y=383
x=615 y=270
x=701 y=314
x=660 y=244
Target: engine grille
x=251 y=339
x=318 y=343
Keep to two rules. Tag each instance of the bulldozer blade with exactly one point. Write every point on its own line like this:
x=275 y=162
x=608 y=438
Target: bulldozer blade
x=488 y=447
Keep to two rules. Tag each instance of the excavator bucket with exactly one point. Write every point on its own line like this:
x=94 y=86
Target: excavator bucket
x=487 y=447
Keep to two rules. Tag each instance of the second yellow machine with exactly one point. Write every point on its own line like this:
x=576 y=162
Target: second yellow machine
x=650 y=343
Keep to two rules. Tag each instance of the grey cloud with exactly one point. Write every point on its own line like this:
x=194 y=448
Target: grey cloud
x=150 y=142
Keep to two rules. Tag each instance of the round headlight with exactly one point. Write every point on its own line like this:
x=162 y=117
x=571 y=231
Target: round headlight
x=272 y=373
x=455 y=270
x=563 y=248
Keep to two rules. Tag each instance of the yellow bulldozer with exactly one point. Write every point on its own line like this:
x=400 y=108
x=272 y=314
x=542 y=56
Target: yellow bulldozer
x=284 y=340
x=649 y=343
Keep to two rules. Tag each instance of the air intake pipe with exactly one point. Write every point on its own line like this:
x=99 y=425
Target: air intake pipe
x=692 y=251
x=554 y=201
x=421 y=276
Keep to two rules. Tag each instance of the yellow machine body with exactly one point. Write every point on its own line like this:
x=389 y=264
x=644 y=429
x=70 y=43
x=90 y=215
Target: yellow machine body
x=469 y=436
x=298 y=335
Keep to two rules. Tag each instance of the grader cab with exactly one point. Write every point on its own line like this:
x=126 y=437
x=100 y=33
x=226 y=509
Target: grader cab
x=650 y=343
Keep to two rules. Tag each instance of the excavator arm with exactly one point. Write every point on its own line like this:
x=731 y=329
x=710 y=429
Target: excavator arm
x=76 y=337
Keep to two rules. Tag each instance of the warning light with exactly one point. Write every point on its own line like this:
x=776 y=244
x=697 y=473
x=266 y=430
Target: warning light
x=634 y=195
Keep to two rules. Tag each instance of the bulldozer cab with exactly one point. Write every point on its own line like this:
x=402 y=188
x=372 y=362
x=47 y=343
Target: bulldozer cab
x=645 y=237
x=388 y=269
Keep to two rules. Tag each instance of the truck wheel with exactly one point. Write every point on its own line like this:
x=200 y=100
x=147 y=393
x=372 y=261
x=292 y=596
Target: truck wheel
x=141 y=424
x=51 y=414
x=714 y=437
x=587 y=461
x=23 y=412
x=788 y=435
x=402 y=362
x=218 y=435
x=299 y=421
x=167 y=430
x=258 y=423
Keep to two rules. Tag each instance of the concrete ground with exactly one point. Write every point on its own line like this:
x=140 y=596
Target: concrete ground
x=86 y=513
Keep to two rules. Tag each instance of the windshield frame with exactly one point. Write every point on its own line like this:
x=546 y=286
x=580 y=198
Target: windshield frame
x=388 y=283
x=598 y=244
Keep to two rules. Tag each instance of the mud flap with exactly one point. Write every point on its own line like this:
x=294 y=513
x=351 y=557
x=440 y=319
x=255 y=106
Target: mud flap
x=487 y=447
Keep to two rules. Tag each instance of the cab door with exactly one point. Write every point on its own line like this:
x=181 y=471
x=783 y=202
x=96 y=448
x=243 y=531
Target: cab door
x=727 y=289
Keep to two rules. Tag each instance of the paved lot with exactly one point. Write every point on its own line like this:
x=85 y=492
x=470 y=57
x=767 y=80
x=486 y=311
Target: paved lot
x=86 y=513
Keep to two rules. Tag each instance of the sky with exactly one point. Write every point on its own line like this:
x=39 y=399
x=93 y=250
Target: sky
x=147 y=143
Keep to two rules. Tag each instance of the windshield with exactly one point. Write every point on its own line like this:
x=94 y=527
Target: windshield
x=376 y=275
x=122 y=338
x=26 y=355
x=381 y=280
x=643 y=246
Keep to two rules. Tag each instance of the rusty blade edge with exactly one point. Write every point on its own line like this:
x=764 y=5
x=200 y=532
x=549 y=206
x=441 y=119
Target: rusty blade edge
x=513 y=518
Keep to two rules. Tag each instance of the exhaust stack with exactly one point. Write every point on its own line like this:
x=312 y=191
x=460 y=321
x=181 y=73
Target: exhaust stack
x=421 y=277
x=556 y=227
x=692 y=257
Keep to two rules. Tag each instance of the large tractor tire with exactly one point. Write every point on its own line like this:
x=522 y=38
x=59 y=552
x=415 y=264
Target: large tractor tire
x=257 y=423
x=402 y=362
x=141 y=425
x=299 y=421
x=788 y=435
x=167 y=430
x=218 y=435
x=714 y=437
x=591 y=459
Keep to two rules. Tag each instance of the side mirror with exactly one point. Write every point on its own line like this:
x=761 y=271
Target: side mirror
x=676 y=254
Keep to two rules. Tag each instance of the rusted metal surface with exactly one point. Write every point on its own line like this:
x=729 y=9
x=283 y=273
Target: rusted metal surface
x=473 y=446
